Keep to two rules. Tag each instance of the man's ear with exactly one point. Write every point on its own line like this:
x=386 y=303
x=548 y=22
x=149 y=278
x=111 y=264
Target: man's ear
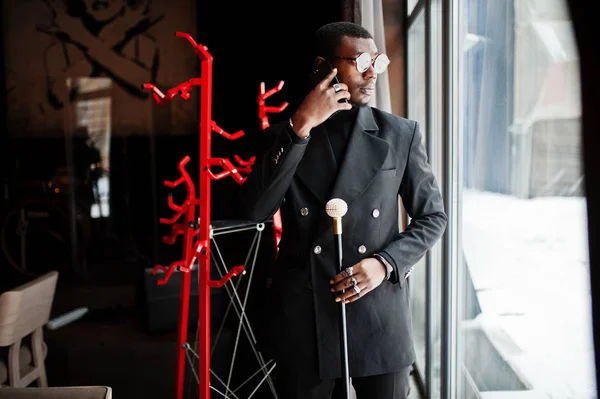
x=318 y=61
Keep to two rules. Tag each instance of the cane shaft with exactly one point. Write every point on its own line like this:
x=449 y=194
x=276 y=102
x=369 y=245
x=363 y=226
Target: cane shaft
x=337 y=228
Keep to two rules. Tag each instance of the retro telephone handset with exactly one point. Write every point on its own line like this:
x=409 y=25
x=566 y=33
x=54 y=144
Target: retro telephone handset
x=320 y=73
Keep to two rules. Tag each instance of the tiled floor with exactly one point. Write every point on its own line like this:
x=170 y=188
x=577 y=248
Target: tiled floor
x=111 y=346
x=119 y=354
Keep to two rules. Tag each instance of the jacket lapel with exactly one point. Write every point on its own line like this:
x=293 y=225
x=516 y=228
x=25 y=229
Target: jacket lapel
x=365 y=155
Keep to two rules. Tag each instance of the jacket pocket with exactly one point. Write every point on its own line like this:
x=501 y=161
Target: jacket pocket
x=387 y=173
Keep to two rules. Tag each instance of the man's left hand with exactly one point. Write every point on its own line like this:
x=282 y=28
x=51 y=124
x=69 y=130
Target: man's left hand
x=358 y=280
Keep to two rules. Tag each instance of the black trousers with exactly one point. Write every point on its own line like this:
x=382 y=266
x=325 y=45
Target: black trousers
x=290 y=385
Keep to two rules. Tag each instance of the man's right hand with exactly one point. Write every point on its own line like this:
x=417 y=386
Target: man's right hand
x=320 y=104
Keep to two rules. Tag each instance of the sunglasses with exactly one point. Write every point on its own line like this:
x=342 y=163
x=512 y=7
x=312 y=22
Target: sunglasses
x=364 y=62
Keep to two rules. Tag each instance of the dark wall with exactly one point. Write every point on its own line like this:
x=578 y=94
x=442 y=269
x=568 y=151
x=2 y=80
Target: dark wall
x=256 y=42
x=251 y=42
x=3 y=116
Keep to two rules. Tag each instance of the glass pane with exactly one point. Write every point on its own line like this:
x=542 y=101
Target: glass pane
x=411 y=4
x=436 y=158
x=93 y=120
x=416 y=111
x=524 y=296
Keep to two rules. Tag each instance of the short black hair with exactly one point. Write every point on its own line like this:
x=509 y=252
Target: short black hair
x=329 y=36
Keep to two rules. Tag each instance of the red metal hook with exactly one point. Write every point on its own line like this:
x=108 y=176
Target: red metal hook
x=169 y=270
x=228 y=136
x=263 y=109
x=244 y=167
x=221 y=282
x=190 y=198
x=228 y=170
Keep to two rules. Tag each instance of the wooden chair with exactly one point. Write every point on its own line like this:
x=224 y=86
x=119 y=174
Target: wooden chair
x=24 y=311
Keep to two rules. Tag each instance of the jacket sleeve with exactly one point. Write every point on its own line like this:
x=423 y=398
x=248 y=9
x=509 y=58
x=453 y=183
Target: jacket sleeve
x=264 y=189
x=423 y=201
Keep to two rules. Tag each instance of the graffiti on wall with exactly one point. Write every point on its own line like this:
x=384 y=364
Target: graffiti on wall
x=55 y=47
x=100 y=38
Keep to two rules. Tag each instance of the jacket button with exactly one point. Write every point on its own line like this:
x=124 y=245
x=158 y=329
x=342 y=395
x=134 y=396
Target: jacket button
x=375 y=213
x=309 y=285
x=362 y=249
x=317 y=250
x=304 y=211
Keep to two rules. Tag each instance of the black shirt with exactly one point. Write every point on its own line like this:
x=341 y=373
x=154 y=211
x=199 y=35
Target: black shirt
x=339 y=127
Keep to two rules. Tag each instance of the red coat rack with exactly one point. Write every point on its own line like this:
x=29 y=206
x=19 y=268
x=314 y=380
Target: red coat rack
x=196 y=232
x=262 y=114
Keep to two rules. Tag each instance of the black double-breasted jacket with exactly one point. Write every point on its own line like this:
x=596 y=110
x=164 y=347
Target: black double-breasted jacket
x=384 y=159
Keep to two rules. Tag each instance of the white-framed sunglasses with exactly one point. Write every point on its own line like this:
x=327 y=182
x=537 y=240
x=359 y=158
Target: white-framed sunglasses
x=364 y=61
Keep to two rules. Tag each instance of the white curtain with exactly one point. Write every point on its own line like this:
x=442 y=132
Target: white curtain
x=372 y=20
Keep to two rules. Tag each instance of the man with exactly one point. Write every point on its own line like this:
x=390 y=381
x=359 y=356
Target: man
x=368 y=158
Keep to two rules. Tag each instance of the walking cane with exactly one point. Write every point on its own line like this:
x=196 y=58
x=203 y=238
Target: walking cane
x=336 y=208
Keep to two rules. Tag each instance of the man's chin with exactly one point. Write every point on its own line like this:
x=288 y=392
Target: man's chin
x=362 y=102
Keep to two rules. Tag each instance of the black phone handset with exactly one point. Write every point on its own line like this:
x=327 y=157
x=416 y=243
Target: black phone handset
x=320 y=73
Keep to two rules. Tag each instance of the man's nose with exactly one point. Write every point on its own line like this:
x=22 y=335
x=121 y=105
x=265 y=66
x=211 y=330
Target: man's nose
x=370 y=72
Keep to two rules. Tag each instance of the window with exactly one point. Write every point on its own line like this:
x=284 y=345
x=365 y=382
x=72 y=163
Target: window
x=411 y=6
x=524 y=302
x=94 y=118
x=416 y=86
